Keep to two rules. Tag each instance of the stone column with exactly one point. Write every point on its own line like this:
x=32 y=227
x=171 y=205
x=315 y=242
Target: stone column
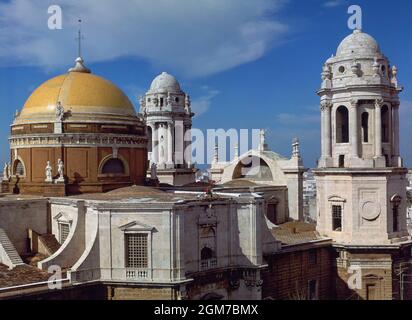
x=155 y=145
x=353 y=125
x=395 y=128
x=161 y=144
x=188 y=147
x=169 y=143
x=323 y=129
x=378 y=128
x=328 y=131
x=179 y=132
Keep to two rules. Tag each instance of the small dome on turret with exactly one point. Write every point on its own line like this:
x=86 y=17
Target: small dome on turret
x=358 y=43
x=165 y=82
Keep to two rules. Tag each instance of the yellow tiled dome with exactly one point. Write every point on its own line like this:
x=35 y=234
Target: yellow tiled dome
x=82 y=95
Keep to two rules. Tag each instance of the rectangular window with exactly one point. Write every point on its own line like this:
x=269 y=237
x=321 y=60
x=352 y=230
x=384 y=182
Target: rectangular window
x=342 y=161
x=337 y=218
x=64 y=229
x=313 y=290
x=136 y=250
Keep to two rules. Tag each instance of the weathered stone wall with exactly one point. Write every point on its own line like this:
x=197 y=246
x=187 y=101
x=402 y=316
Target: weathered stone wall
x=289 y=273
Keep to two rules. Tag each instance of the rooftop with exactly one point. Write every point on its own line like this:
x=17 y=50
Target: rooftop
x=139 y=194
x=21 y=275
x=6 y=197
x=293 y=233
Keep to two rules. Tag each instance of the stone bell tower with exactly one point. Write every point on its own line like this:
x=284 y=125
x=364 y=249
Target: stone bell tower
x=167 y=112
x=360 y=178
x=361 y=182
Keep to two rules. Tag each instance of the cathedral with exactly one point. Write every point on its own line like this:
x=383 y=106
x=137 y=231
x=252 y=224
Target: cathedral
x=99 y=201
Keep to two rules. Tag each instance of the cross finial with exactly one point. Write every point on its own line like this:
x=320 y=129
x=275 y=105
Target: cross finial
x=79 y=38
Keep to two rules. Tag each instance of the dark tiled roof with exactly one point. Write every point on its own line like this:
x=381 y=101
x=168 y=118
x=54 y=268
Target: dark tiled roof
x=292 y=233
x=32 y=259
x=20 y=275
x=241 y=183
x=50 y=241
x=199 y=184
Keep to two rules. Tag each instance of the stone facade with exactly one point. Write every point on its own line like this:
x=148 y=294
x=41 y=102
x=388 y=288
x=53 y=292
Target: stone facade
x=265 y=167
x=211 y=225
x=361 y=184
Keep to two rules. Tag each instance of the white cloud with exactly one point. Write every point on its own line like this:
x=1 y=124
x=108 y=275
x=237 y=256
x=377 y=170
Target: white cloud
x=194 y=37
x=332 y=3
x=201 y=104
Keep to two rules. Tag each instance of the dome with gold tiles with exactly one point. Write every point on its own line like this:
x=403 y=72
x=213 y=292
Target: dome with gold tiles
x=76 y=133
x=83 y=96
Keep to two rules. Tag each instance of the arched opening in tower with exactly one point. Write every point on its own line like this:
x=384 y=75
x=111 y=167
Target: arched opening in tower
x=365 y=127
x=342 y=125
x=385 y=123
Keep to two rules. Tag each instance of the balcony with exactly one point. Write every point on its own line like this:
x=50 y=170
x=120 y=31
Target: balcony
x=208 y=264
x=138 y=274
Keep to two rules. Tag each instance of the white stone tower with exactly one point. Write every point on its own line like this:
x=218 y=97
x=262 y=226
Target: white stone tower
x=166 y=110
x=361 y=184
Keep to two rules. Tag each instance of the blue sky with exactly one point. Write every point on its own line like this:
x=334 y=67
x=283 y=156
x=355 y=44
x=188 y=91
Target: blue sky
x=246 y=64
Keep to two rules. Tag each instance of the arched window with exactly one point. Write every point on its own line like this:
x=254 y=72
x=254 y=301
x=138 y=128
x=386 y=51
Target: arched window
x=342 y=125
x=208 y=244
x=385 y=123
x=18 y=168
x=365 y=127
x=113 y=166
x=206 y=254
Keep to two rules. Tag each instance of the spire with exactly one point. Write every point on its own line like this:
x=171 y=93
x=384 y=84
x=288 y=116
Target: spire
x=295 y=148
x=79 y=62
x=79 y=38
x=262 y=143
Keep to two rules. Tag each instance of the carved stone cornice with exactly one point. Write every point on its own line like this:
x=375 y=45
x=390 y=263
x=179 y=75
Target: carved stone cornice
x=379 y=102
x=84 y=140
x=326 y=104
